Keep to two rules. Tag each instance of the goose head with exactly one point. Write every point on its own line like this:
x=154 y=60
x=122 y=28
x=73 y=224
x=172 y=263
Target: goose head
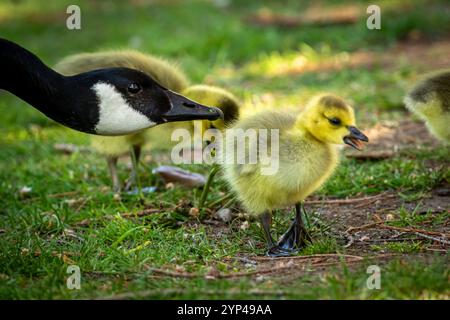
x=110 y=101
x=127 y=100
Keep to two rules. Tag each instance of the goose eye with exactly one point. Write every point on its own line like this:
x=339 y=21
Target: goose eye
x=335 y=121
x=134 y=88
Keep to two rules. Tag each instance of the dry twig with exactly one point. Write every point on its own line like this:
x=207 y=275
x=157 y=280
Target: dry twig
x=430 y=235
x=366 y=200
x=170 y=292
x=283 y=267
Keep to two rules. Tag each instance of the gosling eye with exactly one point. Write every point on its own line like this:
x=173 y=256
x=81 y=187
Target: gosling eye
x=134 y=88
x=335 y=121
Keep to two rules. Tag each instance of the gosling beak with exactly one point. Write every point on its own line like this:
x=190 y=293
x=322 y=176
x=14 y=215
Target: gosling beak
x=184 y=109
x=355 y=137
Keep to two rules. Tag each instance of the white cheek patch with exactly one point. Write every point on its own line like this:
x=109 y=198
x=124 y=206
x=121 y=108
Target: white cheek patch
x=116 y=116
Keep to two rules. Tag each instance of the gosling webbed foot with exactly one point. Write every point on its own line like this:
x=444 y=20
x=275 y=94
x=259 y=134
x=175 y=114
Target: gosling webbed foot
x=144 y=190
x=297 y=236
x=276 y=251
x=287 y=245
x=294 y=239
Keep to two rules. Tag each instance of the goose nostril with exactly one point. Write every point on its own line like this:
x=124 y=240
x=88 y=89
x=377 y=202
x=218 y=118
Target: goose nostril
x=189 y=105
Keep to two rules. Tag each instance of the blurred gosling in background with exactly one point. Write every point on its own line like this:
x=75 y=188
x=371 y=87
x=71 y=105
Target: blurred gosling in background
x=430 y=101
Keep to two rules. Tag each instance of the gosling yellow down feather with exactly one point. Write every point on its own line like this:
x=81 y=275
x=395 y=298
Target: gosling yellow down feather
x=168 y=75
x=307 y=155
x=430 y=101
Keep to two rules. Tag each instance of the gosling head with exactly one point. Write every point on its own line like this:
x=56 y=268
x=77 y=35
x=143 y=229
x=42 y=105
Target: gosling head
x=128 y=100
x=331 y=120
x=430 y=97
x=218 y=97
x=430 y=101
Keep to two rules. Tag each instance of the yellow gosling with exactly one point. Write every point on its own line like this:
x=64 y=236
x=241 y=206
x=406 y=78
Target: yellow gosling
x=307 y=155
x=430 y=101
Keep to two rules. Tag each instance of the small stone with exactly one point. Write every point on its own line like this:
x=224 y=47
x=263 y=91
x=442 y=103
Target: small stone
x=364 y=238
x=24 y=191
x=4 y=276
x=244 y=225
x=224 y=214
x=170 y=186
x=390 y=217
x=212 y=273
x=260 y=278
x=70 y=202
x=179 y=268
x=442 y=192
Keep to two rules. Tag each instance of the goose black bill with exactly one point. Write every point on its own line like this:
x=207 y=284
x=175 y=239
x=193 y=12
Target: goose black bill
x=355 y=137
x=184 y=109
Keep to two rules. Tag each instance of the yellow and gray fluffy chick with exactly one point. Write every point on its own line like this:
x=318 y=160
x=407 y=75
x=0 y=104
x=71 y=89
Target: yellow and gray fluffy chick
x=430 y=101
x=302 y=155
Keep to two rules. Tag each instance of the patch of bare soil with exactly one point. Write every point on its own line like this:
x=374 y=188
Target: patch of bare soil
x=318 y=16
x=424 y=55
x=357 y=223
x=386 y=139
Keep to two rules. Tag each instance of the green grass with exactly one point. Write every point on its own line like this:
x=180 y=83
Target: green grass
x=400 y=279
x=40 y=234
x=405 y=247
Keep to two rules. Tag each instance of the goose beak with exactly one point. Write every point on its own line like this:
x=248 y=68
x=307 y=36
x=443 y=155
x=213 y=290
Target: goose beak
x=355 y=137
x=184 y=109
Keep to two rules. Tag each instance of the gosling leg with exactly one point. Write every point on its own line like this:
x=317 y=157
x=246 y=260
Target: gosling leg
x=296 y=236
x=112 y=165
x=273 y=250
x=135 y=154
x=306 y=232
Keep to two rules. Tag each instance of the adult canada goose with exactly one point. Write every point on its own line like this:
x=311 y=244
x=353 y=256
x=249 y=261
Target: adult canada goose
x=109 y=101
x=430 y=100
x=307 y=155
x=168 y=75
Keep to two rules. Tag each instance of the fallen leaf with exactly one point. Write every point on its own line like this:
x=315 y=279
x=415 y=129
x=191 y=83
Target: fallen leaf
x=178 y=175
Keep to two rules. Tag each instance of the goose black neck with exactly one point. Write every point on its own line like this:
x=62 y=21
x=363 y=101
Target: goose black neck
x=26 y=76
